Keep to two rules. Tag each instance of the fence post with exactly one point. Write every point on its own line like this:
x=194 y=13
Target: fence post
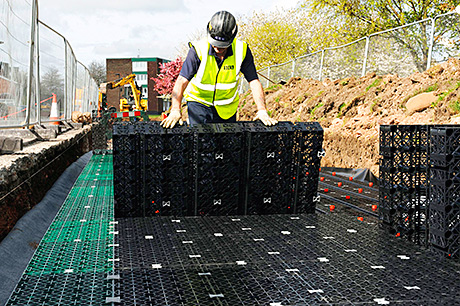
x=31 y=62
x=366 y=51
x=88 y=81
x=66 y=82
x=85 y=92
x=74 y=83
x=37 y=79
x=321 y=66
x=268 y=72
x=431 y=42
x=293 y=68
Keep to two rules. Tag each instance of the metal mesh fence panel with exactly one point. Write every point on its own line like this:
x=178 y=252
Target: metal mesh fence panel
x=281 y=72
x=308 y=66
x=86 y=106
x=344 y=61
x=71 y=75
x=52 y=72
x=401 y=51
x=244 y=85
x=446 y=42
x=265 y=72
x=80 y=88
x=37 y=67
x=14 y=60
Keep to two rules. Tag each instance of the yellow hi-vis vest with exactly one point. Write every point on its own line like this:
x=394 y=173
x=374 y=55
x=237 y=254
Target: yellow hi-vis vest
x=216 y=87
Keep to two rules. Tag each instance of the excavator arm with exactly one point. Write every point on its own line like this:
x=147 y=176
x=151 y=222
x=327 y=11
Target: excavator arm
x=129 y=79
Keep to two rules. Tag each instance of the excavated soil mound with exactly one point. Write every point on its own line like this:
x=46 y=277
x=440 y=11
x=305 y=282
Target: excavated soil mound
x=351 y=110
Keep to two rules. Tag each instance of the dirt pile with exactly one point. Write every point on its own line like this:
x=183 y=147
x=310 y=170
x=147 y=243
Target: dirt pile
x=350 y=110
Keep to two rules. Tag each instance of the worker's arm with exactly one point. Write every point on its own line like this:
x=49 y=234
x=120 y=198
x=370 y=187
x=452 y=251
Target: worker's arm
x=176 y=99
x=259 y=99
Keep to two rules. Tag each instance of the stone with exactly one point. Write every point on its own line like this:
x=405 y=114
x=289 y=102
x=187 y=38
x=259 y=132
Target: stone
x=77 y=116
x=420 y=102
x=337 y=121
x=10 y=144
x=46 y=134
x=87 y=117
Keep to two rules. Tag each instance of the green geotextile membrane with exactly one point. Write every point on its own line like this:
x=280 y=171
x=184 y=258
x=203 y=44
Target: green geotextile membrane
x=71 y=264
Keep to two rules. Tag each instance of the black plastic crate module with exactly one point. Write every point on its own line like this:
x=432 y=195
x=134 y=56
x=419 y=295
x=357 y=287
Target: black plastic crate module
x=403 y=180
x=215 y=169
x=444 y=209
x=420 y=184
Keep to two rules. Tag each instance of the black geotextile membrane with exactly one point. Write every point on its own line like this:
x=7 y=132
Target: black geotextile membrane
x=325 y=259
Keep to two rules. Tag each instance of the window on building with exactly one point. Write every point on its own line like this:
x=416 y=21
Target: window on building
x=141 y=77
x=139 y=66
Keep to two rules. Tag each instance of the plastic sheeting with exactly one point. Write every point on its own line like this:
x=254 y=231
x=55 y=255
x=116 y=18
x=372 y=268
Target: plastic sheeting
x=363 y=175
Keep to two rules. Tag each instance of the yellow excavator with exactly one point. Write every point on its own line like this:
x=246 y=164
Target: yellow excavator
x=133 y=101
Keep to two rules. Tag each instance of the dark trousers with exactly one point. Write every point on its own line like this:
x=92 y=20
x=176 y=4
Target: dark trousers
x=199 y=113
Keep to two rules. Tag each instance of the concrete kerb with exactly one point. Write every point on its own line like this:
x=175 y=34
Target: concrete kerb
x=15 y=139
x=38 y=132
x=35 y=133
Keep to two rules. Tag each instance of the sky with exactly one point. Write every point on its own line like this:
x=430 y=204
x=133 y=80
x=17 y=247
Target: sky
x=100 y=29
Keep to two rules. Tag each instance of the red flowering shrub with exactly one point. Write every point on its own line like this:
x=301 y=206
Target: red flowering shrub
x=169 y=72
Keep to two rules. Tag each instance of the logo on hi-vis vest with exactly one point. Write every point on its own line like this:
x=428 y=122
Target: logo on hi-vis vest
x=229 y=67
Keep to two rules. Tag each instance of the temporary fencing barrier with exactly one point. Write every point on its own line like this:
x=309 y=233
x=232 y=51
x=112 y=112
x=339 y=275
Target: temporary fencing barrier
x=37 y=63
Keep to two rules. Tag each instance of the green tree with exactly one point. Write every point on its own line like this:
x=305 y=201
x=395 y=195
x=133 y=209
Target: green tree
x=379 y=15
x=357 y=18
x=328 y=29
x=273 y=37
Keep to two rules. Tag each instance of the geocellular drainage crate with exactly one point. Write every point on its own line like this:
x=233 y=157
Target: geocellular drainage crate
x=215 y=169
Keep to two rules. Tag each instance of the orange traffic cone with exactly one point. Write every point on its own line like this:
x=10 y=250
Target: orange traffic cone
x=54 y=111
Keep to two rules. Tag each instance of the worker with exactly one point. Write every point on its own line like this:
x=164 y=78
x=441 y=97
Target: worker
x=209 y=77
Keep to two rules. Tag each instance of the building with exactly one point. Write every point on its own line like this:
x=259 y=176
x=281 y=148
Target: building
x=144 y=69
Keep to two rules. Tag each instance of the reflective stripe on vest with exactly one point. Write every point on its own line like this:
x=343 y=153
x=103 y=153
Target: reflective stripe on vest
x=214 y=86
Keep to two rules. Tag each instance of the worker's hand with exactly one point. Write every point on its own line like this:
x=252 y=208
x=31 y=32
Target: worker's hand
x=172 y=119
x=263 y=116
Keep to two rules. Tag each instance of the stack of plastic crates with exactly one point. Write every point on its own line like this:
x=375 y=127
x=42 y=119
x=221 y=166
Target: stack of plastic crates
x=308 y=154
x=151 y=170
x=270 y=168
x=403 y=180
x=219 y=166
x=102 y=133
x=166 y=170
x=444 y=195
x=215 y=169
x=127 y=170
